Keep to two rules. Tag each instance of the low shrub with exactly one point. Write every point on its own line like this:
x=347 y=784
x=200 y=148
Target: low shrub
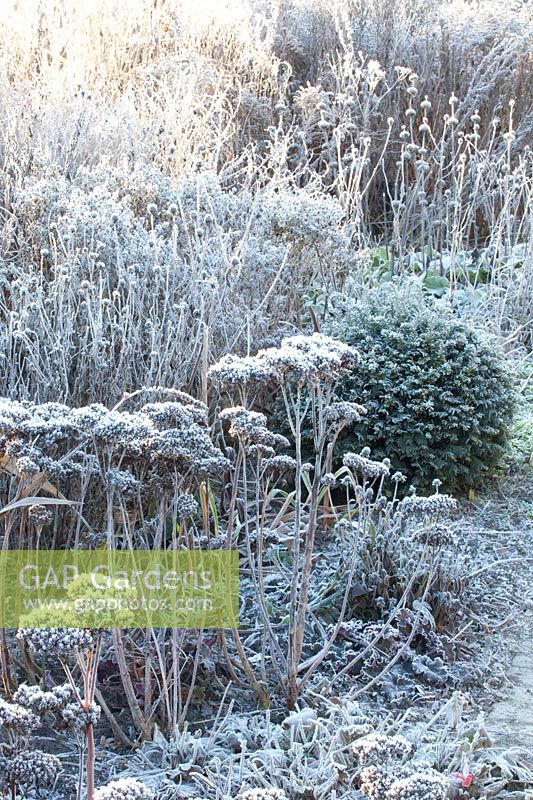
x=438 y=394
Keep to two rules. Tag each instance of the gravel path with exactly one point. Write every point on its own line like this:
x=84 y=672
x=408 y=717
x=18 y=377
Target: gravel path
x=511 y=718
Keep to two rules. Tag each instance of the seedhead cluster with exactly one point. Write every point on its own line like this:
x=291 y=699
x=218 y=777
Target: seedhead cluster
x=124 y=789
x=23 y=768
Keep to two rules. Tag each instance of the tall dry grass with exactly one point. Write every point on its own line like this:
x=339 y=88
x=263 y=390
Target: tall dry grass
x=308 y=101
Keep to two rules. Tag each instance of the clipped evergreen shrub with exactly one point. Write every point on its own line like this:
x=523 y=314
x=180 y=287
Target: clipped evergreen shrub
x=438 y=394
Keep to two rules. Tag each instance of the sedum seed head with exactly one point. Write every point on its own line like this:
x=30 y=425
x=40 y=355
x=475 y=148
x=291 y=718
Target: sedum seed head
x=124 y=789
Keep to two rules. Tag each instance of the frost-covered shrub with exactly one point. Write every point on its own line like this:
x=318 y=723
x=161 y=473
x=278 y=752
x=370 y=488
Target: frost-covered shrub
x=127 y=279
x=438 y=395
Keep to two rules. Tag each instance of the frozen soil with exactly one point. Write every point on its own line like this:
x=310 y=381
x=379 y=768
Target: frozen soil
x=511 y=717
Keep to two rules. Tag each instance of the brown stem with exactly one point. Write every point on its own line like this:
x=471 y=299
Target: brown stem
x=118 y=733
x=89 y=735
x=143 y=725
x=5 y=665
x=229 y=665
x=302 y=594
x=262 y=695
x=89 y=728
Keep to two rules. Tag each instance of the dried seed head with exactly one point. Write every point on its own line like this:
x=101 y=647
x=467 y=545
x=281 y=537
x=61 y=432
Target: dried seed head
x=306 y=358
x=57 y=641
x=365 y=467
x=186 y=505
x=33 y=769
x=16 y=718
x=124 y=789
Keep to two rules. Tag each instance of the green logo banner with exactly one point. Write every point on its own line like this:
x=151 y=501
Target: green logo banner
x=119 y=589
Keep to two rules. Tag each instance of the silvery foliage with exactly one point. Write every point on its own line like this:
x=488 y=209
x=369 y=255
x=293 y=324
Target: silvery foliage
x=120 y=277
x=311 y=752
x=232 y=756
